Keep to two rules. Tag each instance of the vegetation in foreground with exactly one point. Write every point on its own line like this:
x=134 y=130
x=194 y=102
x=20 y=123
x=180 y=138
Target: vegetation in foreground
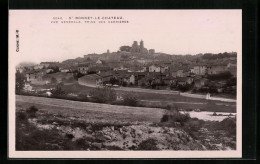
x=37 y=130
x=209 y=133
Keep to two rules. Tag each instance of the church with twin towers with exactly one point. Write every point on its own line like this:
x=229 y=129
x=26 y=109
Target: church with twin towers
x=140 y=48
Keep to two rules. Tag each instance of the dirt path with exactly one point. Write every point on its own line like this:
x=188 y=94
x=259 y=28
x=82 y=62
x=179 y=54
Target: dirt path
x=89 y=110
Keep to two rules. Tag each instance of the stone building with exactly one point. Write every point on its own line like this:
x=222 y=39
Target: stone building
x=138 y=48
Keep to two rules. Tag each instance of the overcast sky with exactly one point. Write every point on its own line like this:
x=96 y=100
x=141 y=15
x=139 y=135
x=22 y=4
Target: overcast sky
x=169 y=31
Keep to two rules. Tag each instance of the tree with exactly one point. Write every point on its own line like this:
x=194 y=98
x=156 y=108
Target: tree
x=20 y=82
x=184 y=88
x=220 y=76
x=58 y=91
x=124 y=84
x=54 y=68
x=113 y=81
x=231 y=82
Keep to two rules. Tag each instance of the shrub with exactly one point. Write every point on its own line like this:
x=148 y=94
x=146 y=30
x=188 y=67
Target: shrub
x=220 y=76
x=165 y=118
x=229 y=125
x=124 y=84
x=21 y=116
x=31 y=138
x=81 y=143
x=173 y=115
x=148 y=144
x=58 y=91
x=184 y=88
x=113 y=81
x=103 y=95
x=31 y=111
x=193 y=124
x=130 y=100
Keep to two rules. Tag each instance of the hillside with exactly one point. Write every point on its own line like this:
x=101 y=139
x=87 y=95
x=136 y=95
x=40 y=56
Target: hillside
x=71 y=125
x=127 y=57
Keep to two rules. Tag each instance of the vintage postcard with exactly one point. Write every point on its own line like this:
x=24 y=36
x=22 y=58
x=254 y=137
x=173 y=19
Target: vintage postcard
x=125 y=84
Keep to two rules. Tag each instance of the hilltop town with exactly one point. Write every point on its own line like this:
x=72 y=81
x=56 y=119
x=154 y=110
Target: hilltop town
x=137 y=66
x=132 y=99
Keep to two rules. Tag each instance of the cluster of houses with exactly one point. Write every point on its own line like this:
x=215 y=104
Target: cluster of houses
x=160 y=74
x=99 y=72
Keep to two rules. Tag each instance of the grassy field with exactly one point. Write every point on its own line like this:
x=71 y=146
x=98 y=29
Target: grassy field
x=91 y=111
x=160 y=100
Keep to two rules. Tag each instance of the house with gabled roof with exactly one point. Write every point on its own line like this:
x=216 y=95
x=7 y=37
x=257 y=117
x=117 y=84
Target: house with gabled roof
x=158 y=68
x=35 y=76
x=106 y=76
x=83 y=68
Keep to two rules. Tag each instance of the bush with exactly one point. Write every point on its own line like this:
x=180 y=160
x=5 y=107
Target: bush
x=124 y=84
x=184 y=88
x=31 y=111
x=58 y=91
x=103 y=95
x=21 y=116
x=148 y=144
x=229 y=125
x=173 y=115
x=31 y=138
x=130 y=100
x=220 y=76
x=113 y=81
x=193 y=125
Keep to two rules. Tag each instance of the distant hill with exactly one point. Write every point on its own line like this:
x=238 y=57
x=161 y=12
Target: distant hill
x=128 y=57
x=26 y=64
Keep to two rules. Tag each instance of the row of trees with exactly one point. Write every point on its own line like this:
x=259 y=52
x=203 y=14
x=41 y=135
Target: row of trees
x=211 y=56
x=220 y=76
